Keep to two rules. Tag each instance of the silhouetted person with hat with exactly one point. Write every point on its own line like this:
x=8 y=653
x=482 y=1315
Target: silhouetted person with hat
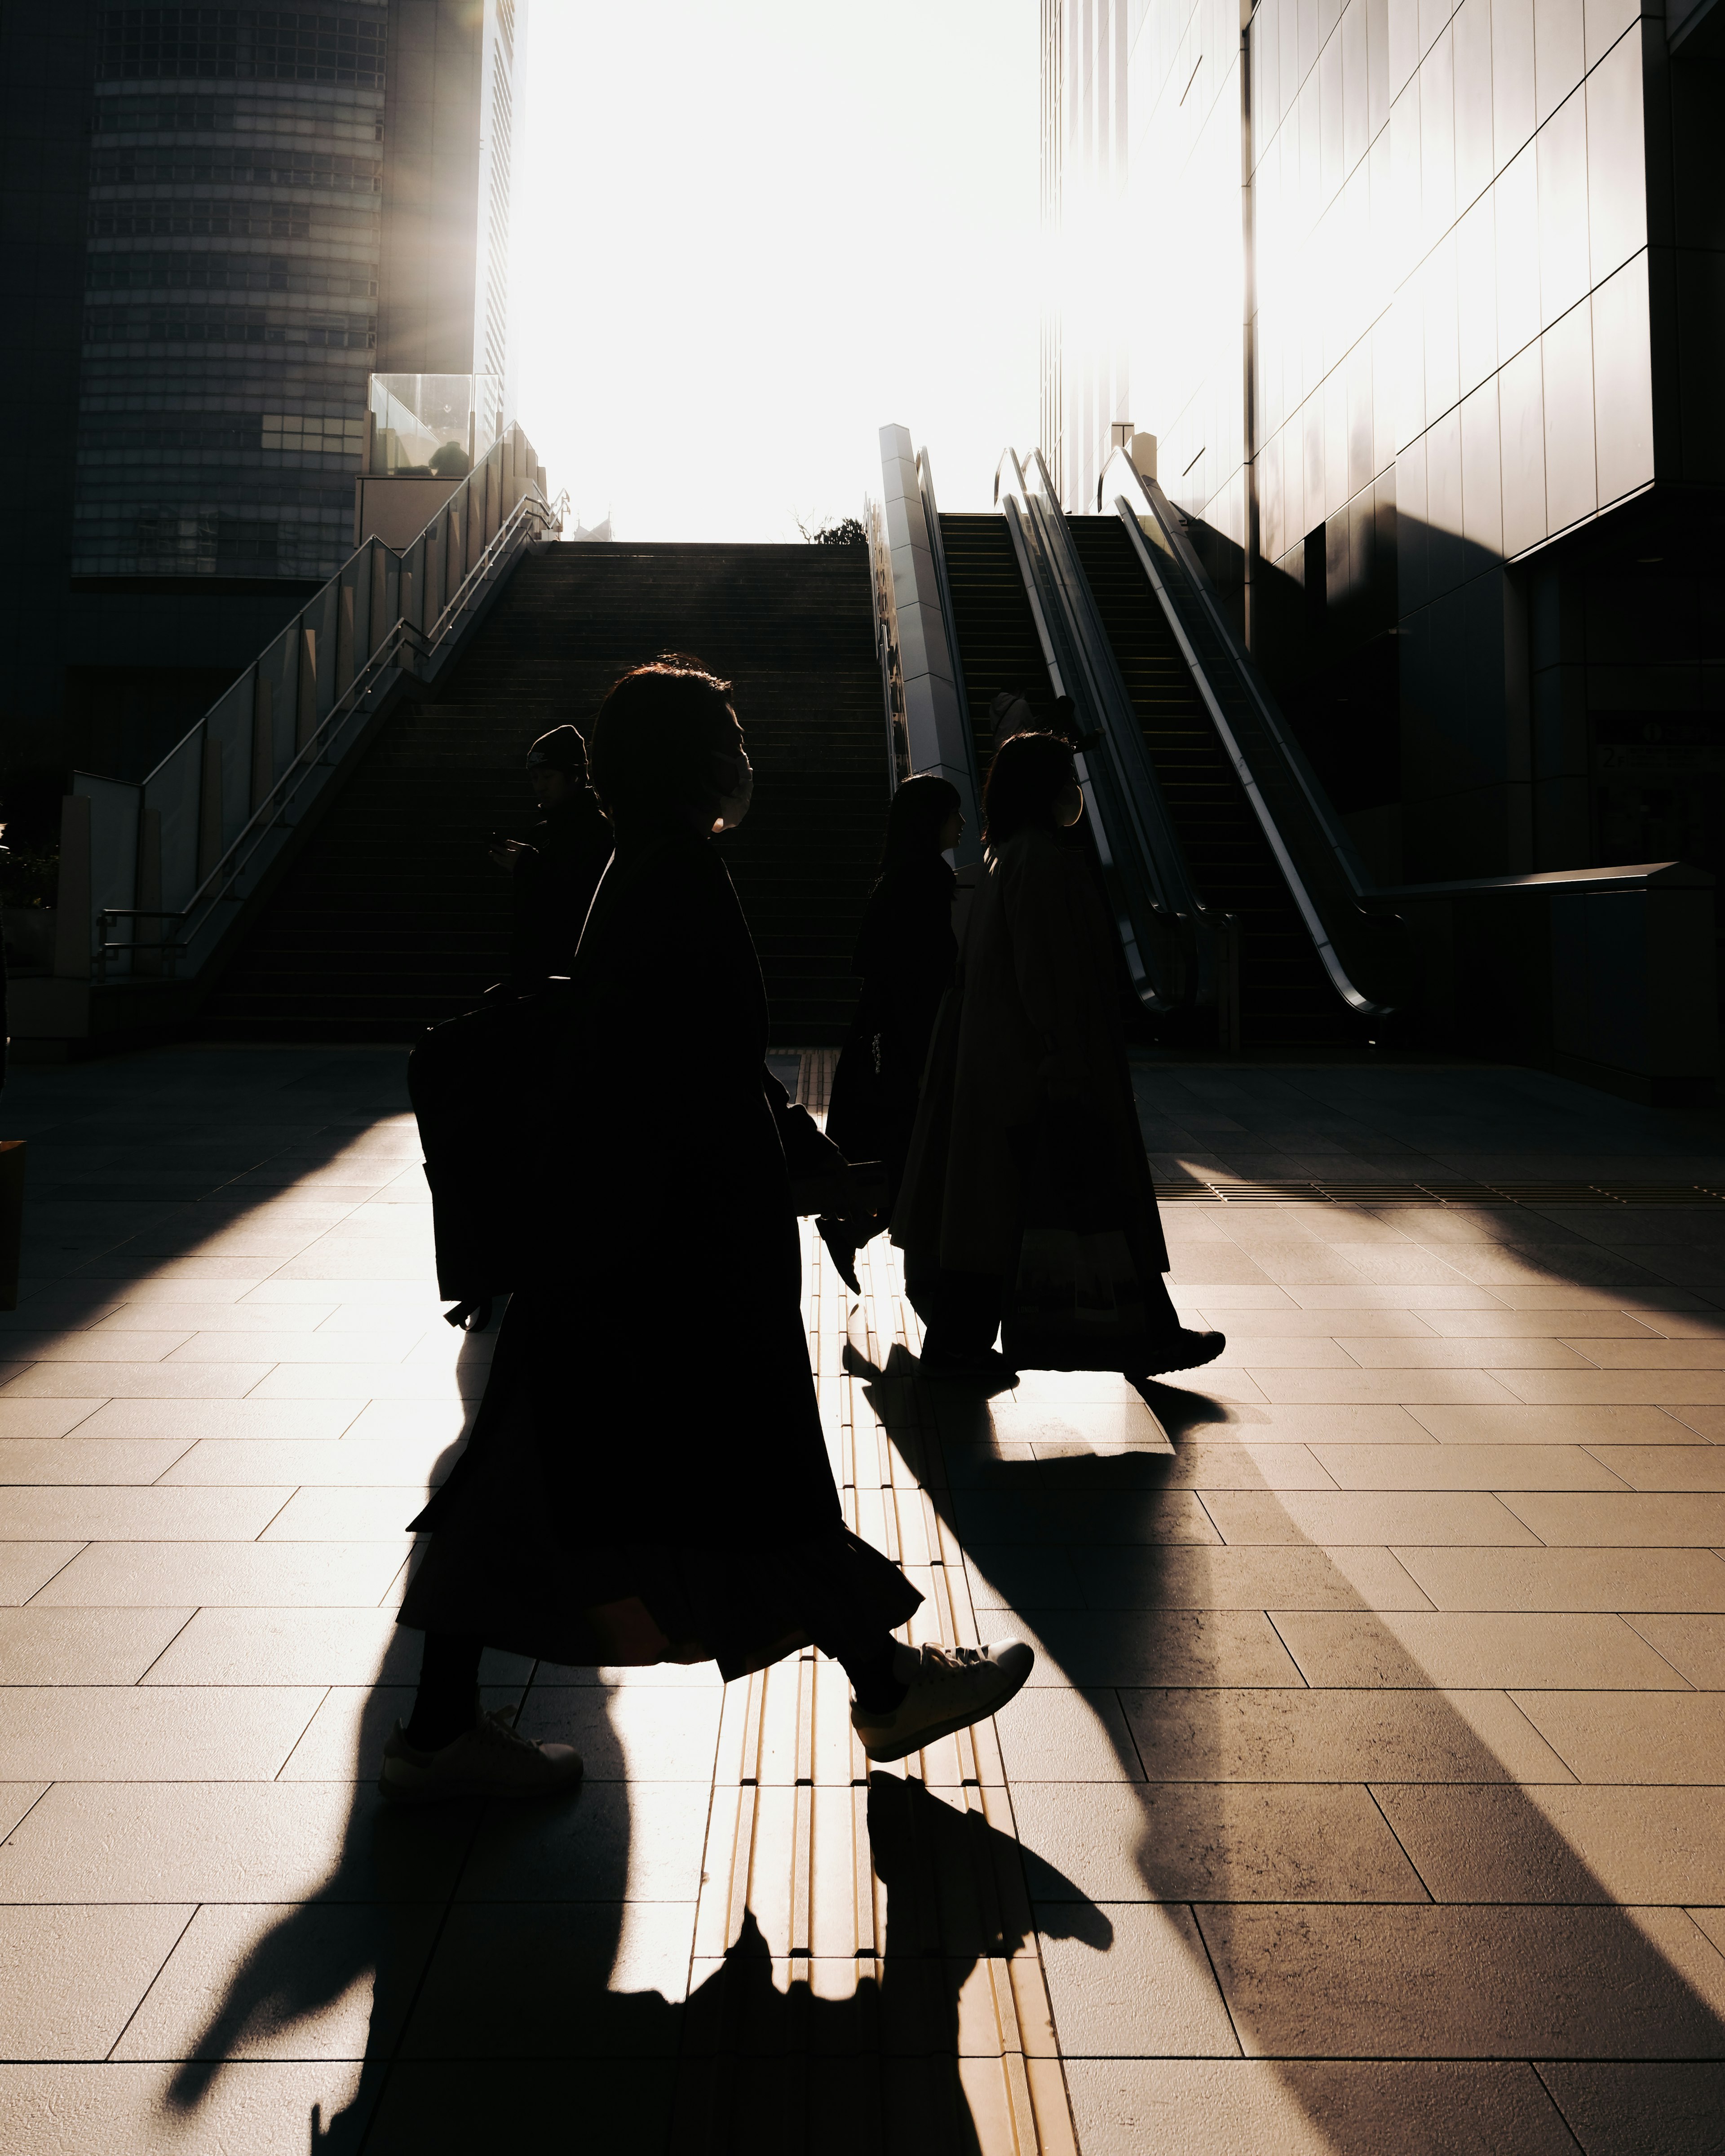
x=556 y=872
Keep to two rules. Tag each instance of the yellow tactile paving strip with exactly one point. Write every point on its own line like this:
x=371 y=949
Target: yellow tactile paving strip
x=929 y=1977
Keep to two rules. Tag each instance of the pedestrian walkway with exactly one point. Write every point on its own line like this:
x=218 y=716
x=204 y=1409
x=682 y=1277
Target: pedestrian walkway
x=1365 y=1798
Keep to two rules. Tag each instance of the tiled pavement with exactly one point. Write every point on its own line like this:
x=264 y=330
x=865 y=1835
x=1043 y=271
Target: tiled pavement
x=1365 y=1799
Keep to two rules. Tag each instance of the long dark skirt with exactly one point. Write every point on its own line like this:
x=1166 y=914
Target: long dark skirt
x=633 y=1515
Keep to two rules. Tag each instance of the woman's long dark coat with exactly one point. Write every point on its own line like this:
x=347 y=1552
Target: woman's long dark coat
x=650 y=1435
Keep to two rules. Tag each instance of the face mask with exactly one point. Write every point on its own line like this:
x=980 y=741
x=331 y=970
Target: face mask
x=736 y=777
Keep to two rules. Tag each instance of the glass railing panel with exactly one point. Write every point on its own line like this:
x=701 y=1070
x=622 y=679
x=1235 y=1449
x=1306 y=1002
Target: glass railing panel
x=434 y=426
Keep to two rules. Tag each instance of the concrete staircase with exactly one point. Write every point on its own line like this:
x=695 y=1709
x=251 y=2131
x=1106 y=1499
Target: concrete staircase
x=393 y=918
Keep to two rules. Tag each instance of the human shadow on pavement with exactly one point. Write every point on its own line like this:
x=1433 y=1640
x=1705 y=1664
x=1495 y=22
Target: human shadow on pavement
x=501 y=1942
x=1396 y=1924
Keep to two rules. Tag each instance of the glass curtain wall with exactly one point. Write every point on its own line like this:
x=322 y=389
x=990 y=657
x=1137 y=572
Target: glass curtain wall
x=230 y=323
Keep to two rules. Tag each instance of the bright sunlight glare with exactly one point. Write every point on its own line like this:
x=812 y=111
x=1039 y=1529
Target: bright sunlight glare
x=746 y=234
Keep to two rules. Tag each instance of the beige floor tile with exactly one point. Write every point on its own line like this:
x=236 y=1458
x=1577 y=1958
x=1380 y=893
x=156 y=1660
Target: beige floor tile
x=259 y=2106
x=85 y=1461
x=1253 y=1577
x=289 y=1647
x=1272 y=1352
x=96 y=1348
x=356 y=1463
x=61 y=1512
x=1320 y=2107
x=1693 y=1352
x=1630 y=1520
x=1694 y=1647
x=1705 y=1422
x=1408 y=1983
x=1286 y=1421
x=1290 y=1735
x=313 y=1349
x=266 y=1575
x=1624 y=1387
x=1038 y=1515
x=32 y=1420
x=1615 y=2106
x=232 y=1841
x=114 y=1276
x=142 y=1381
x=190 y=1420
x=1490 y=1467
x=140 y=1295
x=1203 y=1464
x=26 y=1568
x=1650 y=1738
x=149 y=1316
x=1687 y=1324
x=296 y=1285
x=337 y=1514
x=1544 y=1323
x=1538 y=1425
x=104 y=1734
x=1562 y=1845
x=1679 y=1580
x=1151 y=1991
x=1209 y=1842
x=1453 y=1294
x=1225 y=1300
x=1454 y=1649
x=73 y=1647
x=440 y=1421
x=16 y=1799
x=1053 y=1734
x=1664 y=1467
x=1645 y=1295
x=70 y=1978
x=1094 y=1647
x=377 y=1381
x=1393 y=1388
x=1409 y=1516
x=282 y=1981
x=646 y=1733
x=1465 y=1354
x=1364 y=1323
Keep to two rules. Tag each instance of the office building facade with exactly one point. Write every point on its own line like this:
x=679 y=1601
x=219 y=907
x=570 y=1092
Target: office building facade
x=259 y=208
x=1426 y=306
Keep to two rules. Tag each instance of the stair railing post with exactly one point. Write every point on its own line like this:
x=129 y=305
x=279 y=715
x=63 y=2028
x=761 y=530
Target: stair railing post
x=263 y=739
x=73 y=926
x=210 y=807
x=305 y=707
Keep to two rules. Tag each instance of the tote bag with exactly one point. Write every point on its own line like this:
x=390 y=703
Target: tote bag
x=1075 y=1299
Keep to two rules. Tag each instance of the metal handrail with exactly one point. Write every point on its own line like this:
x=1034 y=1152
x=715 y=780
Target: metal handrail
x=1178 y=950
x=1154 y=526
x=402 y=644
x=887 y=653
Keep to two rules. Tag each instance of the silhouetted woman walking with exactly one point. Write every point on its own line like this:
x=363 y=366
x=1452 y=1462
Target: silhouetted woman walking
x=1029 y=1086
x=906 y=954
x=647 y=1480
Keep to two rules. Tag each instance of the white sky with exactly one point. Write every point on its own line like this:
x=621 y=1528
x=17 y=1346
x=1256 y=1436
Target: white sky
x=748 y=233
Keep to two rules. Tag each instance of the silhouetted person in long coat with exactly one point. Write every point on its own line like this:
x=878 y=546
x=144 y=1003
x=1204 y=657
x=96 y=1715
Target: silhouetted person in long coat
x=554 y=873
x=906 y=954
x=648 y=1479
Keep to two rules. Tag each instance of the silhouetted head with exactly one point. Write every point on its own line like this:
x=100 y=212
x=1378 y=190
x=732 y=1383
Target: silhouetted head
x=666 y=737
x=1032 y=786
x=927 y=816
x=557 y=765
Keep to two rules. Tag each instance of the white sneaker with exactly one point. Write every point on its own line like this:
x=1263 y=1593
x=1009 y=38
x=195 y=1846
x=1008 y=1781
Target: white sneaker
x=950 y=1688
x=492 y=1760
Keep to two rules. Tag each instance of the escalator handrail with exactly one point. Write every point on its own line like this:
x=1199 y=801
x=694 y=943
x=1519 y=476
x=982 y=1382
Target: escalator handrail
x=1166 y=932
x=970 y=845
x=1150 y=500
x=1156 y=504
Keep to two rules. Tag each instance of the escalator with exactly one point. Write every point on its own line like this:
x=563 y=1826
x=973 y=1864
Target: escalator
x=1286 y=1000
x=995 y=629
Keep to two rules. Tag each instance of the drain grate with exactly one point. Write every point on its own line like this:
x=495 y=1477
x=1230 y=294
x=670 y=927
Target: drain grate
x=1196 y=1191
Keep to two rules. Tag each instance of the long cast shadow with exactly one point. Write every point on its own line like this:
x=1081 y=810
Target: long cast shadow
x=1321 y=2003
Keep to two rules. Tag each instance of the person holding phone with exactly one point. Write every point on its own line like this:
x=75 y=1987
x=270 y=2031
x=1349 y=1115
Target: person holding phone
x=554 y=874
